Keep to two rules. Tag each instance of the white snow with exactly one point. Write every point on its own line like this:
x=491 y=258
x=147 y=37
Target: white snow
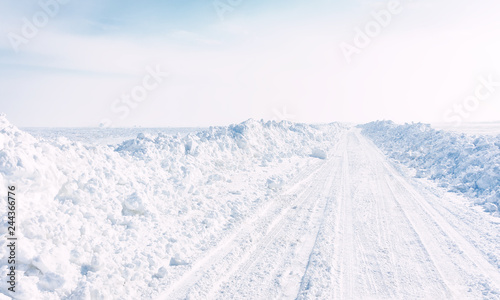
x=257 y=210
x=318 y=153
x=134 y=216
x=485 y=128
x=468 y=164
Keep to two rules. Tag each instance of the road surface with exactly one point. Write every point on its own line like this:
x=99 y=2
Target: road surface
x=353 y=226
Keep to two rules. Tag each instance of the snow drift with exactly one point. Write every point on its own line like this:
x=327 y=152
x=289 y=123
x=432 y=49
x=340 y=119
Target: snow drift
x=462 y=163
x=121 y=221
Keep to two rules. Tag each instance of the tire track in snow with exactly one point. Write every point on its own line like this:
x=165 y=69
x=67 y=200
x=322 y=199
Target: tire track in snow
x=343 y=257
x=365 y=261
x=300 y=258
x=385 y=226
x=304 y=255
x=316 y=281
x=325 y=274
x=429 y=244
x=255 y=254
x=207 y=272
x=395 y=242
x=378 y=237
x=451 y=273
x=418 y=224
x=470 y=251
x=207 y=262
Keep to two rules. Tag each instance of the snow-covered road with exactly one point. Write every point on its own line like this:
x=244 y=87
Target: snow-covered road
x=353 y=226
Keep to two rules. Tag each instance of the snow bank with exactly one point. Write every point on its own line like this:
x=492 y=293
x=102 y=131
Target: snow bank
x=467 y=164
x=119 y=222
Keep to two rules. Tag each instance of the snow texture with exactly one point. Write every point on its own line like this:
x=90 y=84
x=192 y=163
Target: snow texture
x=467 y=164
x=115 y=222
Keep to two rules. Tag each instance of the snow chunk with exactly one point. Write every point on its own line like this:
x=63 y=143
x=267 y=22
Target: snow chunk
x=176 y=261
x=275 y=183
x=318 y=153
x=490 y=207
x=50 y=282
x=134 y=205
x=162 y=272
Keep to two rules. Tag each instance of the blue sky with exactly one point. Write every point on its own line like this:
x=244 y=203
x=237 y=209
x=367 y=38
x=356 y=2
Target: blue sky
x=263 y=57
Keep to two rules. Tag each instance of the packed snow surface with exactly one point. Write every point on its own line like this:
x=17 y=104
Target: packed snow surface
x=468 y=164
x=257 y=210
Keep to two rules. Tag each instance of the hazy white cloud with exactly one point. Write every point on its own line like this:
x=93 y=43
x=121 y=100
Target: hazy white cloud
x=252 y=64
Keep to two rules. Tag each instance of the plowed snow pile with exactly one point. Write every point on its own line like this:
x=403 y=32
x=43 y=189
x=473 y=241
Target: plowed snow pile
x=114 y=222
x=468 y=164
